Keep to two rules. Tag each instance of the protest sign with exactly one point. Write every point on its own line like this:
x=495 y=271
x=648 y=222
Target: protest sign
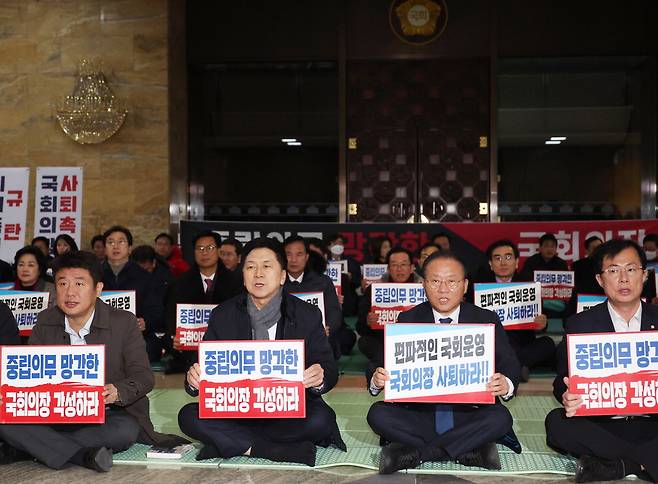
x=588 y=301
x=555 y=285
x=314 y=298
x=52 y=384
x=25 y=306
x=252 y=379
x=516 y=303
x=447 y=363
x=615 y=373
x=334 y=273
x=13 y=210
x=192 y=323
x=126 y=300
x=389 y=299
x=373 y=273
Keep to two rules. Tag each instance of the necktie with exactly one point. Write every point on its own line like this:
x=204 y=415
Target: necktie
x=443 y=417
x=208 y=285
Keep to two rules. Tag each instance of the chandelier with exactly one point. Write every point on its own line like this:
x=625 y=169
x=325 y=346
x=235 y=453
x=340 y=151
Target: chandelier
x=91 y=113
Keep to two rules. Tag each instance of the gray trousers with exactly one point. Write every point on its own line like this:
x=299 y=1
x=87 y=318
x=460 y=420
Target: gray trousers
x=55 y=445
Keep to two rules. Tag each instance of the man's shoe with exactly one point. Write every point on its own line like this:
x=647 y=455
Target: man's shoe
x=10 y=454
x=98 y=459
x=485 y=456
x=396 y=456
x=590 y=468
x=511 y=441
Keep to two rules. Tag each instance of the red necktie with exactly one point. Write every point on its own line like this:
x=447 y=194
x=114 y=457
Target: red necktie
x=208 y=285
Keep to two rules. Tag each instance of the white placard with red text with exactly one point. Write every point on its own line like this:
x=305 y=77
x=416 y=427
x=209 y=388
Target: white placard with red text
x=314 y=298
x=192 y=323
x=52 y=384
x=58 y=203
x=517 y=304
x=447 y=363
x=334 y=270
x=25 y=306
x=252 y=379
x=389 y=299
x=14 y=184
x=615 y=373
x=555 y=285
x=126 y=300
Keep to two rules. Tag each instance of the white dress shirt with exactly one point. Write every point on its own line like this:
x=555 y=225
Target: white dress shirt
x=78 y=339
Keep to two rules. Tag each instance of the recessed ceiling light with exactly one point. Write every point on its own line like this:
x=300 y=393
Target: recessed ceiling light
x=295 y=143
x=558 y=138
x=288 y=140
x=549 y=142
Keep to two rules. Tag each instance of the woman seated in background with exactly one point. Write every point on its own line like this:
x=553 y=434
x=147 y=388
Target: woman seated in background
x=64 y=243
x=30 y=268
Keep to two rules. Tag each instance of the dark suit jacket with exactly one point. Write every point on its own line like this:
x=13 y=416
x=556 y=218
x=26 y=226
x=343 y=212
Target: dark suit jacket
x=189 y=289
x=314 y=282
x=6 y=272
x=299 y=320
x=594 y=320
x=537 y=263
x=8 y=327
x=506 y=361
x=126 y=363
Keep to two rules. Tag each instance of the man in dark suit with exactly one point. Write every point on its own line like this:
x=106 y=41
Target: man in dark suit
x=8 y=327
x=467 y=433
x=266 y=311
x=545 y=260
x=79 y=318
x=607 y=448
x=207 y=282
x=531 y=347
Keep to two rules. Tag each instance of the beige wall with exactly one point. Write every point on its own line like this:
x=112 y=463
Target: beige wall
x=126 y=178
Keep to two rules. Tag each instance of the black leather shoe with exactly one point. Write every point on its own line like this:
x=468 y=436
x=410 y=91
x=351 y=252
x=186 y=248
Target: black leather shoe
x=485 y=456
x=511 y=441
x=99 y=459
x=10 y=454
x=396 y=456
x=590 y=468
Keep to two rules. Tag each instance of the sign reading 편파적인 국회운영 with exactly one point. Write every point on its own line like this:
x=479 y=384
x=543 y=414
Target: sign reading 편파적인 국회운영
x=192 y=324
x=517 y=304
x=389 y=299
x=440 y=363
x=52 y=384
x=614 y=373
x=252 y=379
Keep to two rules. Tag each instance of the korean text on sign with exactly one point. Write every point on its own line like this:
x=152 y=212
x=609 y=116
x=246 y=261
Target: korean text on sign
x=373 y=272
x=25 y=306
x=126 y=300
x=192 y=323
x=516 y=303
x=334 y=270
x=14 y=184
x=555 y=285
x=615 y=373
x=52 y=384
x=389 y=299
x=314 y=299
x=252 y=379
x=439 y=363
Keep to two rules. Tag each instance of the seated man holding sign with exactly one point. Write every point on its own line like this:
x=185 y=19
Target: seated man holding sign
x=465 y=432
x=265 y=313
x=78 y=319
x=608 y=429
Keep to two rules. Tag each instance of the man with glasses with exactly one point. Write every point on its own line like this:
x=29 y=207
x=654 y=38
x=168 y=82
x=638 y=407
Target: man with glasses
x=207 y=282
x=531 y=348
x=608 y=448
x=420 y=432
x=121 y=273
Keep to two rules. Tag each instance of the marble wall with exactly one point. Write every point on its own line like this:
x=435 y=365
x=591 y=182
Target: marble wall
x=126 y=178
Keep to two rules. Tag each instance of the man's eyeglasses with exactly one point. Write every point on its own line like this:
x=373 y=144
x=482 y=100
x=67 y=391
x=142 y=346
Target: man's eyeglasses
x=205 y=248
x=112 y=242
x=451 y=284
x=505 y=257
x=615 y=271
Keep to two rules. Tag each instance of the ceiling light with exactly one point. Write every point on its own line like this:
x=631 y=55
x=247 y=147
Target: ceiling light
x=558 y=138
x=549 y=142
x=295 y=143
x=288 y=140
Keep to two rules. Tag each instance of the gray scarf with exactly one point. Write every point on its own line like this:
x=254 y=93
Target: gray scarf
x=264 y=318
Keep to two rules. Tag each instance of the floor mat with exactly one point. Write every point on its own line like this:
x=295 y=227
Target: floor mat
x=351 y=408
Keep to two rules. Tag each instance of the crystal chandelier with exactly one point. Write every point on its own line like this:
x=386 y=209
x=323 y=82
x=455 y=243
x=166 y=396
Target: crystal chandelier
x=91 y=113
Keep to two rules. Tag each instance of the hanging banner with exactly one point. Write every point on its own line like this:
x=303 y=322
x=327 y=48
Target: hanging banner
x=192 y=324
x=615 y=373
x=126 y=300
x=315 y=299
x=58 y=203
x=13 y=210
x=517 y=304
x=440 y=363
x=389 y=299
x=25 y=306
x=252 y=379
x=52 y=384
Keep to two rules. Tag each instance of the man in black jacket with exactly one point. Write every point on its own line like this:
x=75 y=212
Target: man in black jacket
x=607 y=448
x=423 y=432
x=8 y=327
x=285 y=318
x=545 y=260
